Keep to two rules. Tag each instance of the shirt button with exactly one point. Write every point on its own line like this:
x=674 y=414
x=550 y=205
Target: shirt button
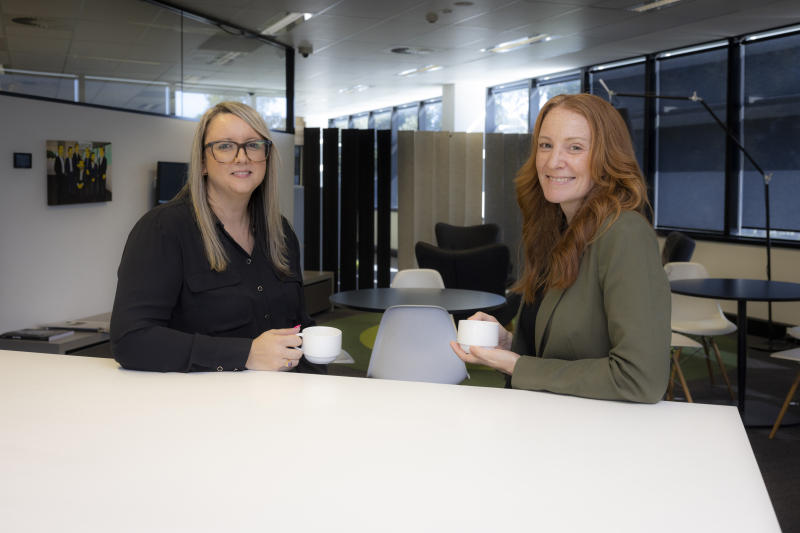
x=260 y=288
x=266 y=316
x=248 y=261
x=219 y=369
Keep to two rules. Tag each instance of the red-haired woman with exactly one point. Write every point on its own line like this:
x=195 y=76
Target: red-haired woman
x=595 y=313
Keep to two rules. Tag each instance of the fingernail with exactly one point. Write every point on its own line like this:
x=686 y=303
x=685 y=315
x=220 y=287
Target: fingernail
x=297 y=326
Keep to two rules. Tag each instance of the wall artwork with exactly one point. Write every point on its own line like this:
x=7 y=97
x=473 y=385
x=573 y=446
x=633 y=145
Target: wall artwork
x=78 y=172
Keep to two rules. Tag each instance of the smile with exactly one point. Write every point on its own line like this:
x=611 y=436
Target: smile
x=242 y=173
x=560 y=180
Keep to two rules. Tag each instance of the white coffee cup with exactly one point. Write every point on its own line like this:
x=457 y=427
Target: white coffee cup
x=478 y=333
x=321 y=344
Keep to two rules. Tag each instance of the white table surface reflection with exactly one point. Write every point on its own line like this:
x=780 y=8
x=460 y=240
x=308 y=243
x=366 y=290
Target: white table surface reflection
x=86 y=446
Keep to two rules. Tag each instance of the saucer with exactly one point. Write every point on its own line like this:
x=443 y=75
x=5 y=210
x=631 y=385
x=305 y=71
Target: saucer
x=465 y=347
x=320 y=360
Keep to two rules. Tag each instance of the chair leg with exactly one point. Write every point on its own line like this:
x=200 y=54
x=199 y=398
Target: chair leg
x=789 y=397
x=676 y=359
x=722 y=367
x=671 y=383
x=708 y=360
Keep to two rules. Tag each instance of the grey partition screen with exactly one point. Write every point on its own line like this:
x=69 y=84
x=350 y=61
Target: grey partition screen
x=366 y=209
x=311 y=197
x=384 y=205
x=349 y=218
x=330 y=203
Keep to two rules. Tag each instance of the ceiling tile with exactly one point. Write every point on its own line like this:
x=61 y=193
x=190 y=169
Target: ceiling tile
x=378 y=10
x=499 y=38
x=154 y=54
x=37 y=46
x=121 y=10
x=38 y=33
x=111 y=32
x=393 y=31
x=453 y=57
x=350 y=50
x=642 y=24
x=29 y=61
x=360 y=66
x=330 y=28
x=518 y=15
x=578 y=21
x=458 y=14
x=388 y=56
x=79 y=65
x=109 y=50
x=452 y=37
x=63 y=9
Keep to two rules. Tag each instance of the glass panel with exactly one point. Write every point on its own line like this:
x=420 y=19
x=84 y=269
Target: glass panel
x=628 y=79
x=59 y=87
x=690 y=183
x=511 y=111
x=383 y=120
x=408 y=119
x=432 y=117
x=361 y=123
x=153 y=98
x=543 y=93
x=273 y=109
x=194 y=104
x=771 y=129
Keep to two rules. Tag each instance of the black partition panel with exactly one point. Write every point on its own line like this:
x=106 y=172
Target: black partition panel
x=384 y=206
x=330 y=203
x=311 y=206
x=366 y=209
x=349 y=217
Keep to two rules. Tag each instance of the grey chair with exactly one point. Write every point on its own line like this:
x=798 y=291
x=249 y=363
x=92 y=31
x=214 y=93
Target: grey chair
x=678 y=248
x=450 y=237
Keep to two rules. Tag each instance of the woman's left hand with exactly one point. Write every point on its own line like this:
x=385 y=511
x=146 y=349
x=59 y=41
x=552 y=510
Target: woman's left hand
x=501 y=360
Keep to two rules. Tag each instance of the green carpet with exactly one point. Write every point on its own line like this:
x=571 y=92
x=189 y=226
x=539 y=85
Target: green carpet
x=359 y=333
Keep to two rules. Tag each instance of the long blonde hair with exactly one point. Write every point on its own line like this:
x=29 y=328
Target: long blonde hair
x=553 y=250
x=264 y=205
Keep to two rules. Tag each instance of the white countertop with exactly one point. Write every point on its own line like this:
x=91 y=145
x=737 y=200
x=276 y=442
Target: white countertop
x=86 y=446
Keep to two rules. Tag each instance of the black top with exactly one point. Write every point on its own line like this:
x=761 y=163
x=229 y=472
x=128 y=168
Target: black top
x=172 y=313
x=751 y=290
x=527 y=322
x=453 y=300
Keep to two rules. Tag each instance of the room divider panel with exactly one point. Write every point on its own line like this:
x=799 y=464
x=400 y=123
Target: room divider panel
x=330 y=203
x=311 y=198
x=348 y=246
x=384 y=207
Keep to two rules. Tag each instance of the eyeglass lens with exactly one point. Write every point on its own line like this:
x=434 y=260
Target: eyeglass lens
x=225 y=152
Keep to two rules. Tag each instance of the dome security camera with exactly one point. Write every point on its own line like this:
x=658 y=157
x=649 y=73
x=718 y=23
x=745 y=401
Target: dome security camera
x=306 y=50
x=432 y=17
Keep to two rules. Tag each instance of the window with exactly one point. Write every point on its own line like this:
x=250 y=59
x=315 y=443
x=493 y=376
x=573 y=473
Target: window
x=690 y=176
x=342 y=123
x=430 y=116
x=407 y=118
x=194 y=104
x=625 y=79
x=545 y=90
x=771 y=129
x=383 y=120
x=273 y=109
x=507 y=111
x=63 y=87
x=361 y=122
x=150 y=97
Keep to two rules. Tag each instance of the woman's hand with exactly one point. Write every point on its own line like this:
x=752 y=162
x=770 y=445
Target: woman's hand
x=504 y=340
x=273 y=350
x=501 y=360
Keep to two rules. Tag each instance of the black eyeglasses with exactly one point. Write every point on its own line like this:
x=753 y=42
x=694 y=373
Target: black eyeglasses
x=226 y=151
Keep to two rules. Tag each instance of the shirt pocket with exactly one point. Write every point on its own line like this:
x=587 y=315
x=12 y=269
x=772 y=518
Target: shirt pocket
x=291 y=289
x=220 y=301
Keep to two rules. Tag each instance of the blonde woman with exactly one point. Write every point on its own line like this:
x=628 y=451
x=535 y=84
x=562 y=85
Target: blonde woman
x=212 y=281
x=595 y=316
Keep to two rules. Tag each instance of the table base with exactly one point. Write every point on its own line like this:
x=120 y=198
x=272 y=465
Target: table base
x=778 y=345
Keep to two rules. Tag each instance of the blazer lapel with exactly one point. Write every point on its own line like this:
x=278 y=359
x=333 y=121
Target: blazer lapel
x=549 y=304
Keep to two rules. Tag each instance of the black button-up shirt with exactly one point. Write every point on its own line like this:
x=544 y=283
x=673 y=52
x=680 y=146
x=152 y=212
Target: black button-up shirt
x=172 y=313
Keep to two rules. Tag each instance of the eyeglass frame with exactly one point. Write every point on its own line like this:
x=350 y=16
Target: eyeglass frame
x=239 y=146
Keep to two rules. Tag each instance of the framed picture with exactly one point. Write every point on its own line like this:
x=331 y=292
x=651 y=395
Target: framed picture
x=78 y=172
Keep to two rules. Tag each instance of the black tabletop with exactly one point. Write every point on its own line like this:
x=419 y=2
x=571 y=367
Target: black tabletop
x=453 y=300
x=751 y=290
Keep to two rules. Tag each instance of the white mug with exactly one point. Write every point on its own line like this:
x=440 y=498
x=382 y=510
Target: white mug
x=479 y=333
x=321 y=344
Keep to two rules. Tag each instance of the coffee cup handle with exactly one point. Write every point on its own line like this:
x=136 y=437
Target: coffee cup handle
x=298 y=347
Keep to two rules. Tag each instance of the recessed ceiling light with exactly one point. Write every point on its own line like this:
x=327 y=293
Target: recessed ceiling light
x=652 y=5
x=354 y=89
x=40 y=22
x=464 y=4
x=191 y=79
x=412 y=50
x=518 y=43
x=287 y=21
x=421 y=70
x=226 y=58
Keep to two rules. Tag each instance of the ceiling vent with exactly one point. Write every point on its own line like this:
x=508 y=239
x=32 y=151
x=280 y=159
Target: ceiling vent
x=412 y=51
x=41 y=22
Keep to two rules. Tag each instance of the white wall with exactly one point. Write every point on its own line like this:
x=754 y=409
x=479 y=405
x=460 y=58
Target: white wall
x=723 y=260
x=60 y=262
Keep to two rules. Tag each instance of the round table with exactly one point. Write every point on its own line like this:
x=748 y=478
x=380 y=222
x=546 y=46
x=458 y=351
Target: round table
x=452 y=300
x=758 y=414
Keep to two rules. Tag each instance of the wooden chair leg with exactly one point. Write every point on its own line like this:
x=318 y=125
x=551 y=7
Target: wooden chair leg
x=789 y=397
x=708 y=360
x=671 y=383
x=676 y=359
x=722 y=367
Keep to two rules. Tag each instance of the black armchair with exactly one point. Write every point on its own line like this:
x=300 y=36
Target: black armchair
x=465 y=237
x=678 y=248
x=484 y=268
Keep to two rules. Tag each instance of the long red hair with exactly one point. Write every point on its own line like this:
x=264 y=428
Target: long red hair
x=553 y=249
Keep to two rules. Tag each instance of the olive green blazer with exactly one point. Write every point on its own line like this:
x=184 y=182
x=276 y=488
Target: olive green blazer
x=608 y=335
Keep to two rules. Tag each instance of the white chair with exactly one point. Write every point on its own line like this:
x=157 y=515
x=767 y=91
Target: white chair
x=794 y=332
x=699 y=316
x=418 y=278
x=789 y=355
x=679 y=342
x=413 y=344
